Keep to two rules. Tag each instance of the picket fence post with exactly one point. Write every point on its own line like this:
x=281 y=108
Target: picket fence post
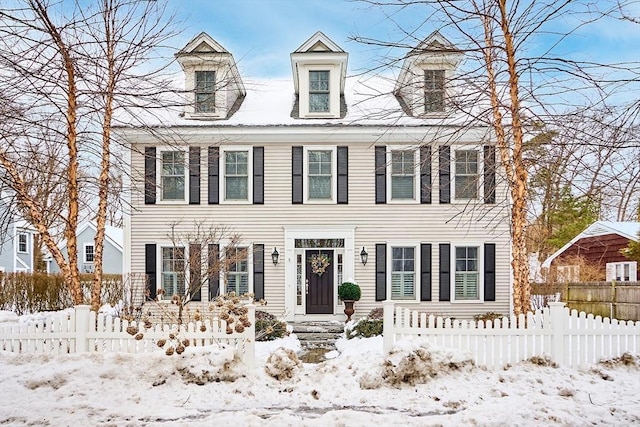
x=558 y=326
x=82 y=327
x=250 y=343
x=388 y=327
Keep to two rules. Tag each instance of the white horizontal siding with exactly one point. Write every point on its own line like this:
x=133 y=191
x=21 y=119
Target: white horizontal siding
x=373 y=223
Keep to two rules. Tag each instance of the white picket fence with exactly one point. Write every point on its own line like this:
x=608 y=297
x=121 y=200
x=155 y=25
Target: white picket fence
x=81 y=330
x=568 y=338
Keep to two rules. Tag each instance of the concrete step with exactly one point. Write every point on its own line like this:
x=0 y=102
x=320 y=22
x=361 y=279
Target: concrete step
x=318 y=334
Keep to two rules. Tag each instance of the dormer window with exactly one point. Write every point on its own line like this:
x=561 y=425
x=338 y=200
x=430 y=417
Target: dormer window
x=433 y=91
x=205 y=91
x=318 y=91
x=213 y=87
x=319 y=72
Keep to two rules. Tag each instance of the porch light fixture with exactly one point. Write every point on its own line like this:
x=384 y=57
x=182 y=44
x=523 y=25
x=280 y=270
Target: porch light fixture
x=274 y=256
x=364 y=256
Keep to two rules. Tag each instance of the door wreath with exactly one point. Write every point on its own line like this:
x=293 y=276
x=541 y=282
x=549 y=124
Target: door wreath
x=319 y=263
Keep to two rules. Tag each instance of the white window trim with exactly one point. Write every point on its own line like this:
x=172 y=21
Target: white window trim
x=219 y=97
x=633 y=270
x=26 y=235
x=159 y=175
x=195 y=93
x=416 y=267
x=159 y=247
x=452 y=171
x=448 y=69
x=452 y=256
x=334 y=174
x=84 y=253
x=416 y=182
x=568 y=272
x=334 y=90
x=249 y=248
x=223 y=174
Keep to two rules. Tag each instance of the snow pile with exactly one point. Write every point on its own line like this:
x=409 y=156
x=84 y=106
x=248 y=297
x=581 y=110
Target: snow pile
x=8 y=316
x=414 y=361
x=208 y=364
x=282 y=364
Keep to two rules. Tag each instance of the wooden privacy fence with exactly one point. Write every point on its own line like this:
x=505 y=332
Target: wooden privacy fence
x=82 y=330
x=568 y=338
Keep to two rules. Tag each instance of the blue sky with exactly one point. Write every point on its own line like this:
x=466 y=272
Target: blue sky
x=262 y=33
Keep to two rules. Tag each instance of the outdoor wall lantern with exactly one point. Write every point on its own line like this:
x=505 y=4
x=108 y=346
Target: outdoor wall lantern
x=364 y=256
x=274 y=256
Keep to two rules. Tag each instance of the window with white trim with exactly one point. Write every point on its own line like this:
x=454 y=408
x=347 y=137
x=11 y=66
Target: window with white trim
x=433 y=91
x=403 y=174
x=467 y=273
x=173 y=176
x=205 y=91
x=466 y=174
x=237 y=275
x=88 y=252
x=321 y=174
x=319 y=91
x=568 y=273
x=236 y=175
x=173 y=270
x=403 y=273
x=626 y=271
x=23 y=243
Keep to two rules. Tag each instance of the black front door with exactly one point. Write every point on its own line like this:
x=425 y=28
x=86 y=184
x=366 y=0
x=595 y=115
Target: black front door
x=319 y=282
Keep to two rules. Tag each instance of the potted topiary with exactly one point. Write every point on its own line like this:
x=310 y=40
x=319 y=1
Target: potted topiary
x=349 y=292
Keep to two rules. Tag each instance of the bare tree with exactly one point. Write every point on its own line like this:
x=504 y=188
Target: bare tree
x=65 y=72
x=524 y=85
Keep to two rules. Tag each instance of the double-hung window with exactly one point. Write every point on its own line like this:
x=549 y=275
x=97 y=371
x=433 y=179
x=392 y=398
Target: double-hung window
x=173 y=270
x=626 y=271
x=403 y=174
x=23 y=243
x=320 y=175
x=173 y=175
x=319 y=91
x=236 y=178
x=238 y=271
x=467 y=273
x=433 y=91
x=403 y=273
x=205 y=91
x=467 y=174
x=88 y=253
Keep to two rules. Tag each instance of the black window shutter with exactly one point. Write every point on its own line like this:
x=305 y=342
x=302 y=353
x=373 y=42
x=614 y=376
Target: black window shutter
x=195 y=271
x=445 y=272
x=149 y=175
x=258 y=271
x=213 y=270
x=489 y=271
x=425 y=174
x=381 y=271
x=343 y=175
x=150 y=268
x=194 y=175
x=425 y=272
x=445 y=174
x=296 y=178
x=381 y=174
x=489 y=174
x=214 y=175
x=258 y=175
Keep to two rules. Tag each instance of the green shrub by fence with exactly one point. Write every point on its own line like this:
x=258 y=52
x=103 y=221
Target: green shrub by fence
x=32 y=292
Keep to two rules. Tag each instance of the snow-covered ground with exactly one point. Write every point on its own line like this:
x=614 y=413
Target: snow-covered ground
x=416 y=385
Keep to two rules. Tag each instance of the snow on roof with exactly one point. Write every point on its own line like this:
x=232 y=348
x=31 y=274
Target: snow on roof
x=269 y=102
x=626 y=229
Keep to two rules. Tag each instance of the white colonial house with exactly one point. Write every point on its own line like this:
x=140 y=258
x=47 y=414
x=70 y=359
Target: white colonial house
x=325 y=178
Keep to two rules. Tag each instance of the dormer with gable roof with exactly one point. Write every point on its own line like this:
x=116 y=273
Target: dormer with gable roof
x=423 y=85
x=319 y=72
x=212 y=80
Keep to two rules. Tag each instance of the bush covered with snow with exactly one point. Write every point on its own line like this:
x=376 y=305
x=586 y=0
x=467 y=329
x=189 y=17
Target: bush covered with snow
x=209 y=364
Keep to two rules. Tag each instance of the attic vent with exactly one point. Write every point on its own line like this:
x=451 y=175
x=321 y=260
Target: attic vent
x=203 y=47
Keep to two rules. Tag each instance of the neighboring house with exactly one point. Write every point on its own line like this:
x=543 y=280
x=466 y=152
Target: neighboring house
x=598 y=245
x=325 y=179
x=16 y=247
x=112 y=252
